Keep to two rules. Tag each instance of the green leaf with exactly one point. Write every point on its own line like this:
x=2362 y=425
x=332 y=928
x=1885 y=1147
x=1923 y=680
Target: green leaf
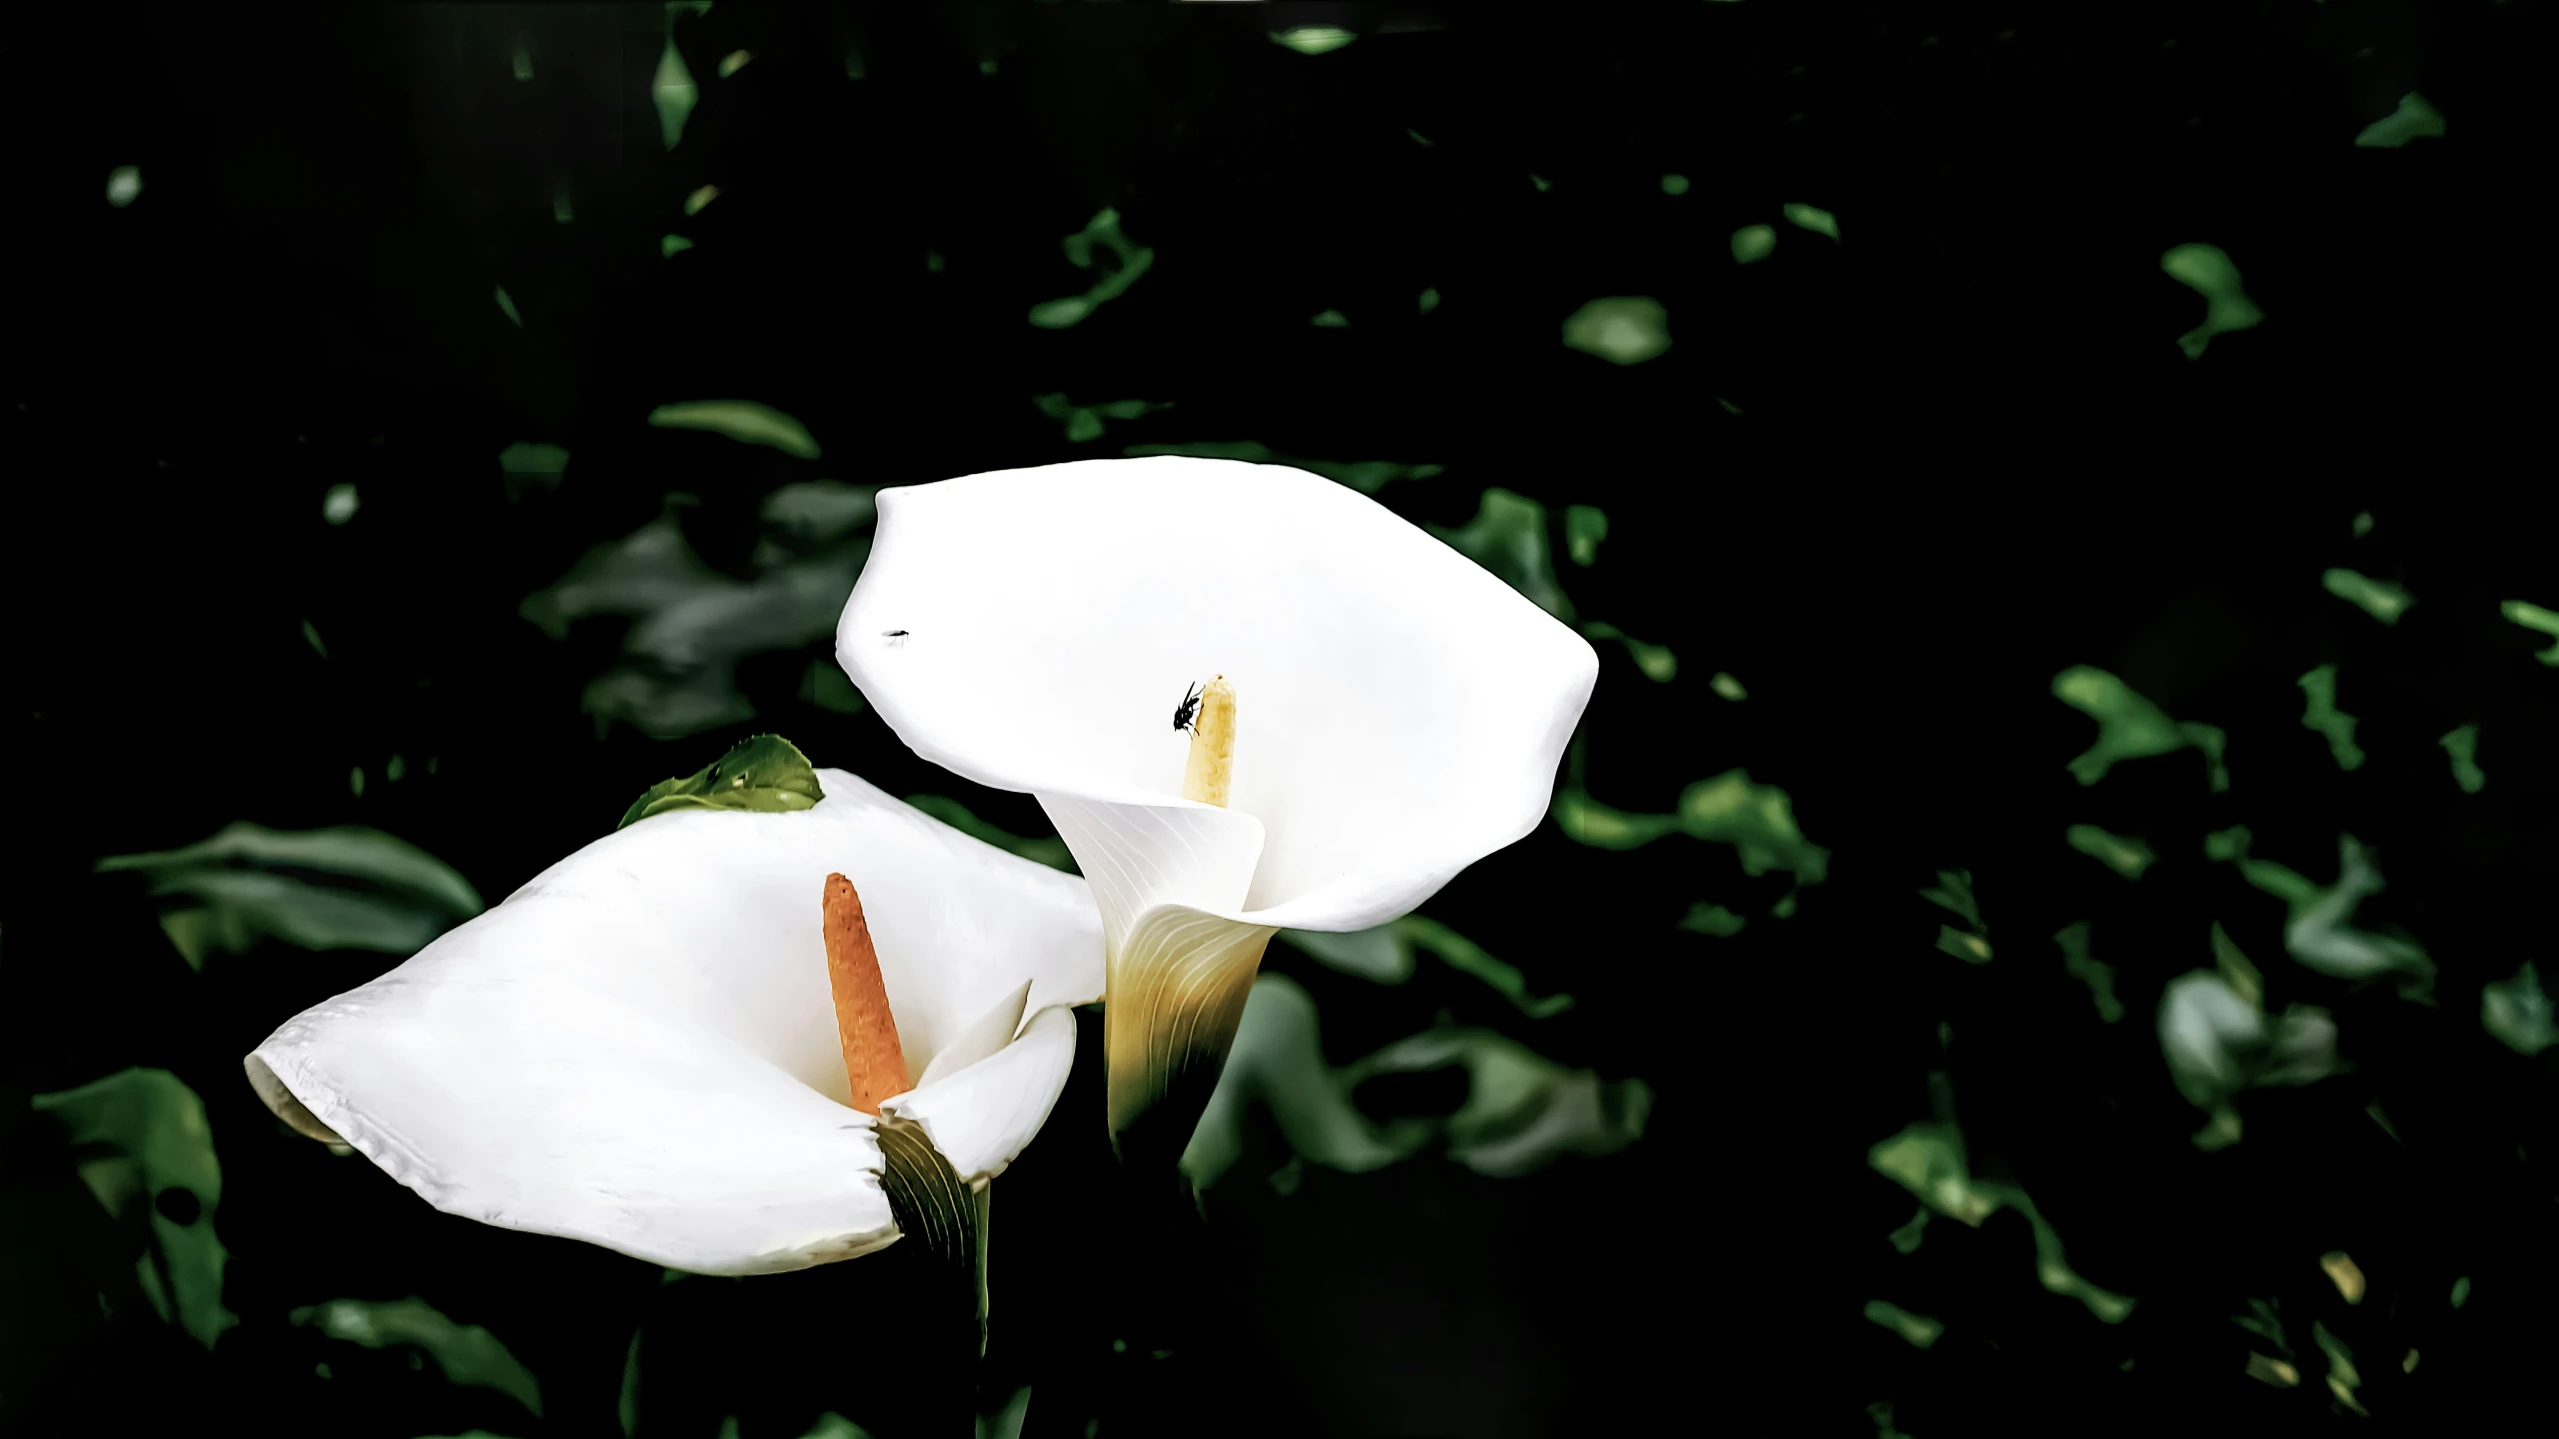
x=2463 y=745
x=1277 y=1061
x=1584 y=528
x=1758 y=820
x=2127 y=857
x=763 y=773
x=2380 y=599
x=2534 y=617
x=2320 y=713
x=2414 y=119
x=1928 y=1160
x=1314 y=39
x=2322 y=936
x=673 y=91
x=141 y=1133
x=1467 y=957
x=1132 y=260
x=2098 y=976
x=1754 y=243
x=467 y=1354
x=1621 y=329
x=741 y=420
x=1711 y=919
x=2207 y=270
x=1049 y=850
x=1657 y=662
x=1807 y=217
x=2518 y=1012
x=1920 y=1330
x=1729 y=687
x=1508 y=537
x=821 y=511
x=246 y=883
x=1970 y=948
x=1381 y=954
x=2130 y=727
x=1955 y=892
x=1522 y=1111
x=506 y=307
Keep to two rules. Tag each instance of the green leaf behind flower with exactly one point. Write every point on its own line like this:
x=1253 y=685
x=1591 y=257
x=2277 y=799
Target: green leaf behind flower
x=142 y=1134
x=248 y=882
x=468 y=1354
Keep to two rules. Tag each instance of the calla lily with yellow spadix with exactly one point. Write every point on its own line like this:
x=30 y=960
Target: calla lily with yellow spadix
x=1397 y=712
x=640 y=1048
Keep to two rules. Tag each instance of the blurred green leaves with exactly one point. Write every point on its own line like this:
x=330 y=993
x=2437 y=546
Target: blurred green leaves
x=2380 y=599
x=1920 y=1330
x=1365 y=476
x=2127 y=857
x=691 y=625
x=144 y=1149
x=1954 y=892
x=2517 y=1011
x=1313 y=39
x=1584 y=528
x=1048 y=850
x=1278 y=1061
x=2080 y=965
x=2413 y=120
x=1757 y=820
x=1621 y=329
x=1521 y=1111
x=2320 y=713
x=1508 y=537
x=673 y=91
x=765 y=774
x=340 y=888
x=1084 y=422
x=1813 y=218
x=1754 y=243
x=1385 y=955
x=2463 y=745
x=467 y=1354
x=1101 y=235
x=2208 y=271
x=124 y=185
x=742 y=420
x=1928 y=1160
x=2534 y=617
x=2322 y=936
x=1656 y=661
x=2130 y=727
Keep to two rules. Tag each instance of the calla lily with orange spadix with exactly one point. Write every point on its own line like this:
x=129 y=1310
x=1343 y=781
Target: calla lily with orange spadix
x=1396 y=712
x=640 y=1047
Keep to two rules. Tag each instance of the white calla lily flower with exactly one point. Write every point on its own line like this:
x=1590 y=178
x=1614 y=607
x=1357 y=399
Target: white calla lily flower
x=1395 y=714
x=640 y=1049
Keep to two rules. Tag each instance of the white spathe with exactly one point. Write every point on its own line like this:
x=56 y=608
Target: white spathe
x=1400 y=712
x=639 y=1047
